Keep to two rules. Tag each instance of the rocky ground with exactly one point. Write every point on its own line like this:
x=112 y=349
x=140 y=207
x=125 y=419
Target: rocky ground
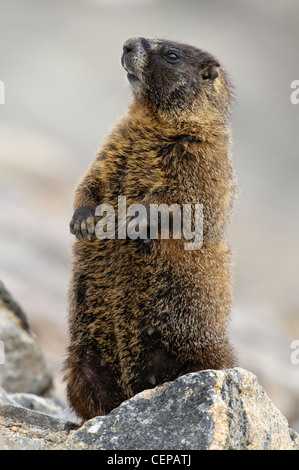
x=209 y=410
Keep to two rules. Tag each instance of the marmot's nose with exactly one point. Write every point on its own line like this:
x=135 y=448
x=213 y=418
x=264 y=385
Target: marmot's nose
x=131 y=45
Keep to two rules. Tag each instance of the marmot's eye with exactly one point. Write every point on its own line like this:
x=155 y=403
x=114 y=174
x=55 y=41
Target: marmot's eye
x=171 y=57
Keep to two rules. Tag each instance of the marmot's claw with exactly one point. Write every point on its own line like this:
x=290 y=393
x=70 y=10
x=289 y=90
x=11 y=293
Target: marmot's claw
x=82 y=224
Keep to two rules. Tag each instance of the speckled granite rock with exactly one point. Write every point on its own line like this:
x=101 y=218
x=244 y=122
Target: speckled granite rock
x=209 y=410
x=29 y=422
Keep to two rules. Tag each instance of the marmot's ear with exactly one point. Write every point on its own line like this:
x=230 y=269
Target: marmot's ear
x=210 y=71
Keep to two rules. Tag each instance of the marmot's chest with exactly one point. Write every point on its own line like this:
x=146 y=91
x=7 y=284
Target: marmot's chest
x=167 y=170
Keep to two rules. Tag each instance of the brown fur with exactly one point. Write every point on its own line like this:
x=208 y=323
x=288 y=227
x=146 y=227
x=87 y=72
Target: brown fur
x=142 y=314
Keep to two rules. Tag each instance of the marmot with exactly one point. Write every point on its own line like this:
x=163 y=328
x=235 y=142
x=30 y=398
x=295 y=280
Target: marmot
x=145 y=313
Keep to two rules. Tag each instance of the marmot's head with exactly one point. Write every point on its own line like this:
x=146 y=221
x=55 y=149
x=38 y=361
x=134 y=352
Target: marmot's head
x=178 y=80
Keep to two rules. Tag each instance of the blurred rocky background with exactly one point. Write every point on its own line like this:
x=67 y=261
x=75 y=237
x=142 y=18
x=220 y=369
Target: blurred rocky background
x=64 y=88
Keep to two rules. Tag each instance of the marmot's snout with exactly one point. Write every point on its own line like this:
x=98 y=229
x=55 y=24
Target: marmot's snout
x=132 y=60
x=131 y=45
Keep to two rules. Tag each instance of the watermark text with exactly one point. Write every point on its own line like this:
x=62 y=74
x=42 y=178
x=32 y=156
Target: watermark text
x=295 y=94
x=150 y=223
x=295 y=354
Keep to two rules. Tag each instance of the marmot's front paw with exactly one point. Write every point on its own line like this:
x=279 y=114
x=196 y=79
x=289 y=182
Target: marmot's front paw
x=83 y=223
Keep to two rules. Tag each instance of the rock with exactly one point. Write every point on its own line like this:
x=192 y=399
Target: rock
x=25 y=428
x=50 y=406
x=9 y=408
x=208 y=410
x=23 y=367
x=215 y=410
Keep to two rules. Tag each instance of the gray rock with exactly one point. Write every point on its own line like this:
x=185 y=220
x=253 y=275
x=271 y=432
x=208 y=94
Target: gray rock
x=50 y=406
x=38 y=424
x=23 y=367
x=209 y=410
x=10 y=408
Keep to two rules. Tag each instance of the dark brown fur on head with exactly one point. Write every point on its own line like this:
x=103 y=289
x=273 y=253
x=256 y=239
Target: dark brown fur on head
x=176 y=79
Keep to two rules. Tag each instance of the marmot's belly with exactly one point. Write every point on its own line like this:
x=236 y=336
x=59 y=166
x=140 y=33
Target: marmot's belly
x=141 y=318
x=137 y=289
